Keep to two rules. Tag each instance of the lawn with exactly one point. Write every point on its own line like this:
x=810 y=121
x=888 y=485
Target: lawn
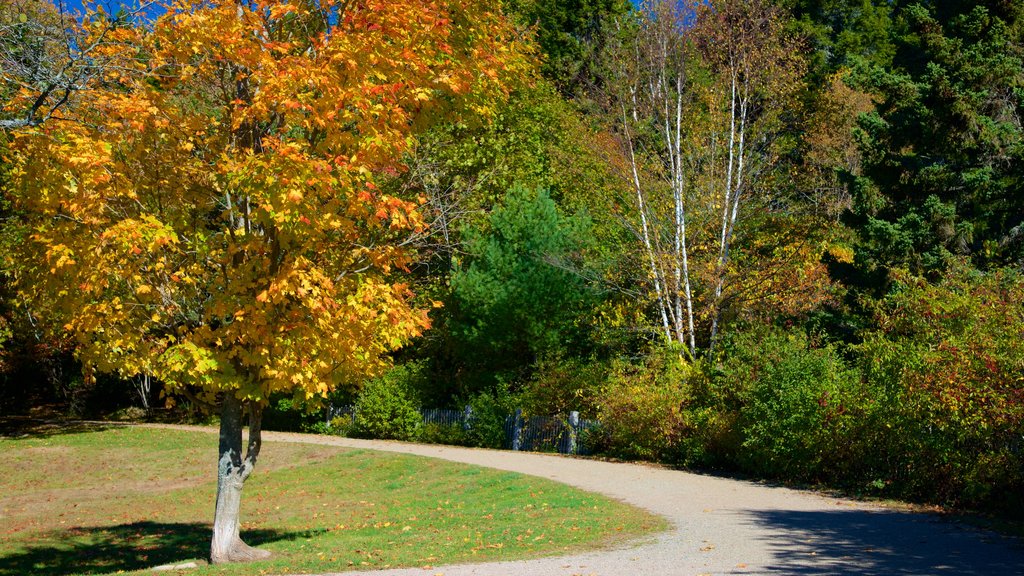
x=120 y=499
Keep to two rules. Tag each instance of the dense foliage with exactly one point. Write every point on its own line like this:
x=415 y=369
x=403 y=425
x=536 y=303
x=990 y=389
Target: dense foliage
x=782 y=237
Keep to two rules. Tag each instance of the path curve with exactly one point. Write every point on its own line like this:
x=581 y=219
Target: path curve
x=721 y=526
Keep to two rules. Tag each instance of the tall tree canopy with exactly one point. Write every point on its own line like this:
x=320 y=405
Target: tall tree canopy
x=942 y=154
x=209 y=214
x=570 y=35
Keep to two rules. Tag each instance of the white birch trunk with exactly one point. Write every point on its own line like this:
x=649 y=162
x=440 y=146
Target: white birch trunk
x=681 y=210
x=732 y=205
x=645 y=232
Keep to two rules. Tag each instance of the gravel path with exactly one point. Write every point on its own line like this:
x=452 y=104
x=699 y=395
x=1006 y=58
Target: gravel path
x=724 y=526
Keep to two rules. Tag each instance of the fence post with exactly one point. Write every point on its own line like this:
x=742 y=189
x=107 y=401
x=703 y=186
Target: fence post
x=517 y=429
x=574 y=430
x=467 y=416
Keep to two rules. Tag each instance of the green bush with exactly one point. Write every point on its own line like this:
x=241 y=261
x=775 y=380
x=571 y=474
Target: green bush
x=711 y=436
x=563 y=385
x=593 y=440
x=946 y=366
x=643 y=410
x=490 y=411
x=387 y=409
x=447 y=434
x=338 y=426
x=285 y=414
x=798 y=418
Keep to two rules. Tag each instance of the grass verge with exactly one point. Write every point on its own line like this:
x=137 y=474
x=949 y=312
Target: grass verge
x=117 y=500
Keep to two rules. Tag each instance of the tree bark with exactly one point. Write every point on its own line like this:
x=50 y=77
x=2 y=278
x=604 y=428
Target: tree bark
x=232 y=472
x=648 y=246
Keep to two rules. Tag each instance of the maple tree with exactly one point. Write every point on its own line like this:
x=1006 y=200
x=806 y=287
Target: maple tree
x=49 y=58
x=209 y=215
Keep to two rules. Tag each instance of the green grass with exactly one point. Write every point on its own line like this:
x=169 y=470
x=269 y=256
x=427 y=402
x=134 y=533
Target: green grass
x=105 y=501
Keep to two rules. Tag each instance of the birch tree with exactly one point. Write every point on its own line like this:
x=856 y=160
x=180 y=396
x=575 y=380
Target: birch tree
x=650 y=99
x=756 y=73
x=700 y=94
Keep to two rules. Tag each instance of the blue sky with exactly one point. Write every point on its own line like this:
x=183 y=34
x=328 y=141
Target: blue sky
x=73 y=5
x=110 y=6
x=76 y=5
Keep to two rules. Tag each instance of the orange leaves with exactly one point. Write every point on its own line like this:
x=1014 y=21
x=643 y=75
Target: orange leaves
x=280 y=9
x=221 y=213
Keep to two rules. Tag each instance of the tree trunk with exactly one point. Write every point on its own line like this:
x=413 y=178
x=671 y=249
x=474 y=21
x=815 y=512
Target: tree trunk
x=232 y=471
x=662 y=296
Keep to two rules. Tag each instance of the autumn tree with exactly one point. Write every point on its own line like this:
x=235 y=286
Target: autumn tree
x=756 y=72
x=49 y=58
x=468 y=172
x=209 y=216
x=650 y=96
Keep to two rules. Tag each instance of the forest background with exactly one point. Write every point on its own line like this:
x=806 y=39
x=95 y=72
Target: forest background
x=783 y=238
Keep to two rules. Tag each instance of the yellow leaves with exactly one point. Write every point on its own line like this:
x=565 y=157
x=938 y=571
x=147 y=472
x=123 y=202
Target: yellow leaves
x=841 y=253
x=271 y=256
x=62 y=257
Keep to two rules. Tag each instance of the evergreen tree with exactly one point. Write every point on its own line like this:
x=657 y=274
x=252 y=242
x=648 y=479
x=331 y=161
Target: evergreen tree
x=515 y=299
x=570 y=34
x=942 y=154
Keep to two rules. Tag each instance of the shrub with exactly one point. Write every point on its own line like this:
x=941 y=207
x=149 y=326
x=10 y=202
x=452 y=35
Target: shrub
x=593 y=440
x=285 y=414
x=337 y=426
x=129 y=414
x=387 y=409
x=448 y=434
x=710 y=438
x=642 y=414
x=490 y=411
x=563 y=385
x=799 y=413
x=340 y=426
x=947 y=365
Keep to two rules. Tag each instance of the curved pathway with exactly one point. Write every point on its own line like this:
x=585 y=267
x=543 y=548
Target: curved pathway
x=722 y=526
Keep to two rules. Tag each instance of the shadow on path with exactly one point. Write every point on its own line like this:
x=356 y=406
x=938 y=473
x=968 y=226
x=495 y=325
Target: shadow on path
x=882 y=542
x=135 y=546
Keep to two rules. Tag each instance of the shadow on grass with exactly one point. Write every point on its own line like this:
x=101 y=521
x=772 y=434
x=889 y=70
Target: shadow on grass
x=863 y=542
x=15 y=427
x=136 y=546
